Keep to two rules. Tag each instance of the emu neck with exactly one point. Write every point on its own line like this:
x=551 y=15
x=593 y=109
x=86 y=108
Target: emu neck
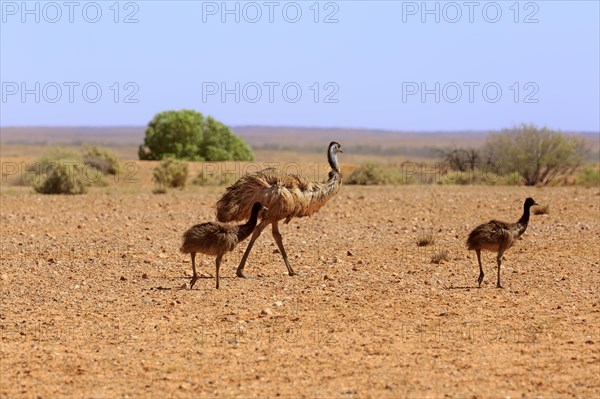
x=333 y=162
x=246 y=229
x=525 y=217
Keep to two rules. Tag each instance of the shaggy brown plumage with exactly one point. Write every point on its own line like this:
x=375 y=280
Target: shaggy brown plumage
x=498 y=236
x=215 y=238
x=287 y=196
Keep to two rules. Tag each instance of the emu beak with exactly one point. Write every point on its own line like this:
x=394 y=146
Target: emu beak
x=535 y=203
x=340 y=150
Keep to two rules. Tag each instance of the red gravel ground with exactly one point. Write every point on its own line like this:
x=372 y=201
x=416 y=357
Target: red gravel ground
x=92 y=305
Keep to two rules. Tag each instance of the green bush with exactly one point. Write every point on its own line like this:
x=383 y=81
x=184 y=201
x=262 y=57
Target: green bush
x=589 y=177
x=101 y=159
x=170 y=173
x=62 y=178
x=372 y=173
x=185 y=134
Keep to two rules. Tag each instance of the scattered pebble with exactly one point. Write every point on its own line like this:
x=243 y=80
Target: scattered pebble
x=266 y=312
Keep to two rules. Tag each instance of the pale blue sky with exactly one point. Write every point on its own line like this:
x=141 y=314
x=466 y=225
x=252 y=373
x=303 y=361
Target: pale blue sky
x=372 y=59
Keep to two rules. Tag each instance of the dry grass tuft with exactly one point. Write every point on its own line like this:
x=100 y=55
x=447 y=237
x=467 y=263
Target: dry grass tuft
x=440 y=256
x=425 y=239
x=541 y=210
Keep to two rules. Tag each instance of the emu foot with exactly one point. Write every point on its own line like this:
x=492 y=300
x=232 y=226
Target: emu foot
x=293 y=273
x=240 y=273
x=194 y=279
x=480 y=280
x=499 y=286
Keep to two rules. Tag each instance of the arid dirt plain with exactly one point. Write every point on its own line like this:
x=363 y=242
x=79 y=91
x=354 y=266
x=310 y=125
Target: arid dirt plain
x=92 y=303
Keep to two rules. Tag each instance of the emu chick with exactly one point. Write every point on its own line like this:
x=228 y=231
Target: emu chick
x=498 y=236
x=216 y=239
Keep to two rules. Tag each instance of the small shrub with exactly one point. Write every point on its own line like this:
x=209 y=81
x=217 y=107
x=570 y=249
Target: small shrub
x=51 y=159
x=63 y=178
x=372 y=173
x=461 y=178
x=425 y=239
x=170 y=173
x=589 y=177
x=101 y=158
x=541 y=210
x=214 y=180
x=440 y=257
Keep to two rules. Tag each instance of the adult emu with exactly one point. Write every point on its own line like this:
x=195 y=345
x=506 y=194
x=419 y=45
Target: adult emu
x=287 y=196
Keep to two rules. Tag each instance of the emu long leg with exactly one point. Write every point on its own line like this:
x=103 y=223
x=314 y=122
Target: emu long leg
x=218 y=265
x=480 y=279
x=257 y=230
x=499 y=259
x=195 y=277
x=279 y=240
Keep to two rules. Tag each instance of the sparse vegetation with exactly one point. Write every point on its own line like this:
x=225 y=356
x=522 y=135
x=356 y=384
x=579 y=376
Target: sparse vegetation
x=209 y=179
x=541 y=210
x=461 y=159
x=186 y=135
x=440 y=257
x=372 y=173
x=589 y=177
x=171 y=173
x=62 y=178
x=425 y=239
x=538 y=155
x=101 y=159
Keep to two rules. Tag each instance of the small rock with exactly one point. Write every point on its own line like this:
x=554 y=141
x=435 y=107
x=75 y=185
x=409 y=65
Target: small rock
x=326 y=277
x=185 y=386
x=276 y=251
x=145 y=276
x=442 y=312
x=278 y=303
x=349 y=253
x=123 y=278
x=147 y=300
x=266 y=312
x=360 y=262
x=233 y=341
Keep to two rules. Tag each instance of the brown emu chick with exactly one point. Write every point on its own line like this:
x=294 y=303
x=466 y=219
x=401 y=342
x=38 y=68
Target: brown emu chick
x=215 y=238
x=498 y=236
